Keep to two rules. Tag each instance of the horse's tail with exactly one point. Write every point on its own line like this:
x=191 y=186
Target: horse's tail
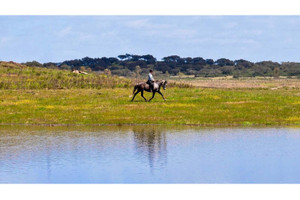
x=134 y=89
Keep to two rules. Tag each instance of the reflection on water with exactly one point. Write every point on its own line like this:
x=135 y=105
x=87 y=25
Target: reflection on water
x=149 y=154
x=151 y=143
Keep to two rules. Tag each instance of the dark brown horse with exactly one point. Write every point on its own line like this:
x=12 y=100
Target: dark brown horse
x=141 y=87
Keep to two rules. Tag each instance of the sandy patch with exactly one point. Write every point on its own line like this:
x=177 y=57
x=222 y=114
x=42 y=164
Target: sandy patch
x=241 y=102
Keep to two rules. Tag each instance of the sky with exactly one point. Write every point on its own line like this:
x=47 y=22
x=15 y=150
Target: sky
x=59 y=38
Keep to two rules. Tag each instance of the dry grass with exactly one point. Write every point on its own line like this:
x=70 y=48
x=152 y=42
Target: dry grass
x=270 y=83
x=17 y=76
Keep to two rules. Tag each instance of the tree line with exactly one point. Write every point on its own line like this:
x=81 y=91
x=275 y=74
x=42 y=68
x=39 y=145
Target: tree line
x=130 y=65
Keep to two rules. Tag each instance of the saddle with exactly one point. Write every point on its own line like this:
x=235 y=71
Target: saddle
x=155 y=85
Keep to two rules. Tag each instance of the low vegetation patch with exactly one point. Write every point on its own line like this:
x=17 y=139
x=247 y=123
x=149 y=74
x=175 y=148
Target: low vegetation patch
x=17 y=76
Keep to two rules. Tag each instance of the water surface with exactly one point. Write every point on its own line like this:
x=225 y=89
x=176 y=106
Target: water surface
x=149 y=154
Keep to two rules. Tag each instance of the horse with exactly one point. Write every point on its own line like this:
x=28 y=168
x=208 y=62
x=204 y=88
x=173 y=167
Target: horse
x=143 y=86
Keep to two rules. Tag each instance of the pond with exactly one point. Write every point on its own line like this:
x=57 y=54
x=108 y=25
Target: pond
x=149 y=154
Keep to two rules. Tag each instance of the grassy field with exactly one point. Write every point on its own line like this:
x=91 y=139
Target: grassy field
x=17 y=76
x=191 y=106
x=44 y=96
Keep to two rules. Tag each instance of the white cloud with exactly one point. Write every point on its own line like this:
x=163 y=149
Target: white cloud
x=64 y=32
x=224 y=41
x=140 y=23
x=161 y=30
x=145 y=24
x=87 y=37
x=4 y=40
x=173 y=33
x=230 y=25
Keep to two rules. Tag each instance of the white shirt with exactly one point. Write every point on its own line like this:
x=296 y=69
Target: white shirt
x=150 y=77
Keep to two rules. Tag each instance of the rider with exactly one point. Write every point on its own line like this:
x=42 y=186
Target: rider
x=150 y=80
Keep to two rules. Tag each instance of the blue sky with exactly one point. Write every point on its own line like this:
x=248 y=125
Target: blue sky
x=59 y=38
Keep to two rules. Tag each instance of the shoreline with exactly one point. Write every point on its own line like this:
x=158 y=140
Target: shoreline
x=165 y=125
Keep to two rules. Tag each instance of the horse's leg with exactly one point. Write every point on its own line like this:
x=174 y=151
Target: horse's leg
x=153 y=94
x=135 y=95
x=142 y=94
x=161 y=95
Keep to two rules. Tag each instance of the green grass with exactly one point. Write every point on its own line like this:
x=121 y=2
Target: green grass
x=188 y=106
x=31 y=95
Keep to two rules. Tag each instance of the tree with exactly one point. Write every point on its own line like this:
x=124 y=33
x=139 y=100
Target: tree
x=268 y=64
x=188 y=60
x=113 y=60
x=126 y=65
x=227 y=70
x=224 y=62
x=149 y=59
x=209 y=61
x=243 y=63
x=122 y=57
x=135 y=57
x=199 y=61
x=33 y=64
x=50 y=65
x=171 y=59
x=126 y=56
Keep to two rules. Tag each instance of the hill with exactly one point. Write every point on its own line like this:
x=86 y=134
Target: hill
x=18 y=76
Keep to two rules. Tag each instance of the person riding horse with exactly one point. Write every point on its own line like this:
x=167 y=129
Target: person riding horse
x=150 y=86
x=150 y=80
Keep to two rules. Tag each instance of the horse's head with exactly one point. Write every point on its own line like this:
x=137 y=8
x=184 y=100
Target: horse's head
x=165 y=84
